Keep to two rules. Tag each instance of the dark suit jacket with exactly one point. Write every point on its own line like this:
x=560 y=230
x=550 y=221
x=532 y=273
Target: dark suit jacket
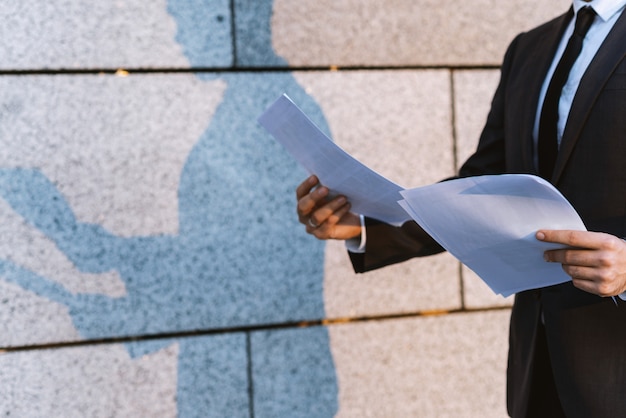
x=586 y=334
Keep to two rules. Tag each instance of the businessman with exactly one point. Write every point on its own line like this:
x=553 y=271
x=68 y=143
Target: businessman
x=559 y=112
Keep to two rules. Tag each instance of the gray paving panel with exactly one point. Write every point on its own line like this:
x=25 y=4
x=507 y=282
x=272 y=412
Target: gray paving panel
x=80 y=151
x=293 y=374
x=74 y=34
x=186 y=377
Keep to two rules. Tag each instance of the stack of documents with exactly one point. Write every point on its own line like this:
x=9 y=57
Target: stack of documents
x=487 y=222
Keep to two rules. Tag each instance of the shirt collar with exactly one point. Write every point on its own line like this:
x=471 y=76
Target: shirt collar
x=603 y=8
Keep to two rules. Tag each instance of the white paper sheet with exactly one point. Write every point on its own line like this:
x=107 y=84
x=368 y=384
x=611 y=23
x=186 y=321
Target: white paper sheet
x=489 y=224
x=369 y=193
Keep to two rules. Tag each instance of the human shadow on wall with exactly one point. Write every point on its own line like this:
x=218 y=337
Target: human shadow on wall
x=240 y=258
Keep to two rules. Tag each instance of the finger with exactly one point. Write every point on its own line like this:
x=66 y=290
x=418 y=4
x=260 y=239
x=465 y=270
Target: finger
x=597 y=287
x=581 y=239
x=574 y=257
x=581 y=273
x=302 y=195
x=600 y=281
x=305 y=187
x=338 y=214
x=310 y=202
x=327 y=229
x=608 y=255
x=322 y=222
x=584 y=278
x=586 y=285
x=324 y=213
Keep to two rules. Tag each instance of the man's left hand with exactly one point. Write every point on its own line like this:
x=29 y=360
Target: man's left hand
x=595 y=261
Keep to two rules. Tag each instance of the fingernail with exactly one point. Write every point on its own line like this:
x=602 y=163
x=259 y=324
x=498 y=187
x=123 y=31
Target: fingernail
x=341 y=200
x=540 y=236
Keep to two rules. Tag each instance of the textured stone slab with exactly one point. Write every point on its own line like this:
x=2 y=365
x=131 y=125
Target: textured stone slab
x=150 y=203
x=73 y=34
x=293 y=373
x=427 y=284
x=26 y=319
x=164 y=378
x=473 y=91
x=434 y=366
x=398 y=123
x=402 y=32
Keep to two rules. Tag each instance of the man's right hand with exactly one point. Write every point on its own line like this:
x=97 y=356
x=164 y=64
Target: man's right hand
x=325 y=218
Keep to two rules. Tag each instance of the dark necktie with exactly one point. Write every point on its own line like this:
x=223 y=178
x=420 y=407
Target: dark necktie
x=547 y=147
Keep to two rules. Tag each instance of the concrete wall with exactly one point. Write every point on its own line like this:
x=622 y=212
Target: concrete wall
x=150 y=260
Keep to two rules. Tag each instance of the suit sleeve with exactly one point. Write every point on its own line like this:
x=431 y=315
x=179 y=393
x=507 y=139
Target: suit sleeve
x=388 y=244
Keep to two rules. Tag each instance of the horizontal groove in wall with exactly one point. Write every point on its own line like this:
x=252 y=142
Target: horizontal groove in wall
x=127 y=71
x=250 y=328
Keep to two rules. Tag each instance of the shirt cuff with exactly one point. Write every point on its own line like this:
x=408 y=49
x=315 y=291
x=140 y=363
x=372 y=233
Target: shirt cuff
x=357 y=245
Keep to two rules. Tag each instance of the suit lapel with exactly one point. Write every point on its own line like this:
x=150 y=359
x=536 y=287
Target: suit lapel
x=611 y=52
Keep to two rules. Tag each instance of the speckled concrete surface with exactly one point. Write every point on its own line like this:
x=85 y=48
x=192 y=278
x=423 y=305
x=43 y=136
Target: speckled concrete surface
x=419 y=285
x=293 y=374
x=73 y=34
x=88 y=382
x=433 y=366
x=473 y=90
x=120 y=179
x=400 y=32
x=396 y=122
x=151 y=263
x=193 y=376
